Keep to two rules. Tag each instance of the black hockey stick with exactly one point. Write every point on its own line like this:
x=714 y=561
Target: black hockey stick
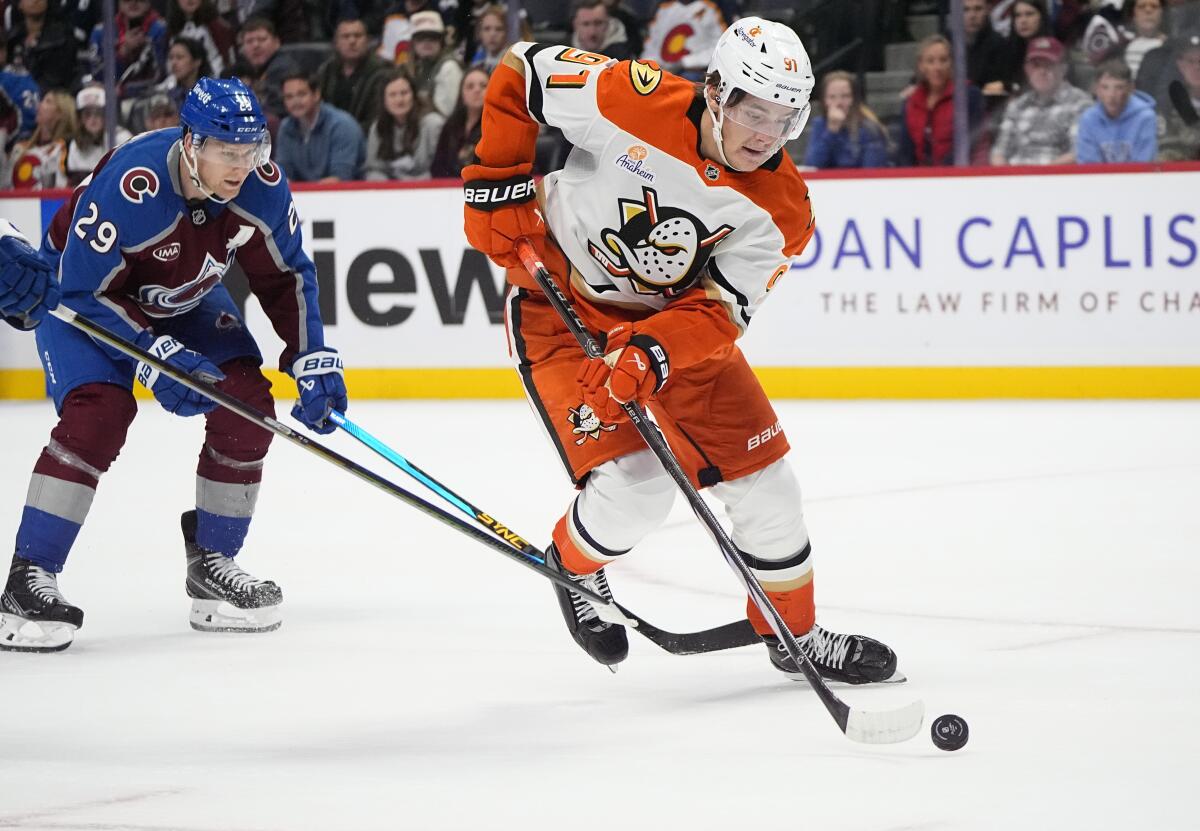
x=666 y=640
x=1182 y=101
x=730 y=635
x=871 y=727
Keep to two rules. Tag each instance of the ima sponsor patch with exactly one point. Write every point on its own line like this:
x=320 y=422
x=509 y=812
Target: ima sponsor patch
x=167 y=253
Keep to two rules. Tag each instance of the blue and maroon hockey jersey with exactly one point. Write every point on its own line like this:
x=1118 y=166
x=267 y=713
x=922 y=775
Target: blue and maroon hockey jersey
x=131 y=249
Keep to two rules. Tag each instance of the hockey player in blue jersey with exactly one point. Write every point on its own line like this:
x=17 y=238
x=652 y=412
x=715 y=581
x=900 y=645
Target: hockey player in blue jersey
x=141 y=248
x=28 y=289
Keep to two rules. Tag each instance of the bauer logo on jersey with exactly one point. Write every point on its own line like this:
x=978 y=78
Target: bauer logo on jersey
x=586 y=424
x=659 y=249
x=161 y=301
x=632 y=160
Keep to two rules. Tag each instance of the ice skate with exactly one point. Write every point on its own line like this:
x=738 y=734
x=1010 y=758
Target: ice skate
x=850 y=659
x=605 y=642
x=34 y=616
x=225 y=598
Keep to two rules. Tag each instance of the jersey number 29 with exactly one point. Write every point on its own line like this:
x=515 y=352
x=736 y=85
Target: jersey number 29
x=106 y=232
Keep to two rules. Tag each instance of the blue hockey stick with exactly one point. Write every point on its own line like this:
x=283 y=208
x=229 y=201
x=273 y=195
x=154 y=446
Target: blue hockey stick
x=728 y=636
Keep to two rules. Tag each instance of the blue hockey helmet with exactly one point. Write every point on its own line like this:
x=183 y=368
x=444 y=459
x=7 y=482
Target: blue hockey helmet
x=219 y=113
x=224 y=109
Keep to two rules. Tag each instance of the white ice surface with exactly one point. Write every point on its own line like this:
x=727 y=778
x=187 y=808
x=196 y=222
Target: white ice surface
x=1034 y=565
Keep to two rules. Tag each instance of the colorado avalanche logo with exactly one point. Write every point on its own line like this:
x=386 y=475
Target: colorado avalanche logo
x=659 y=250
x=160 y=301
x=269 y=174
x=138 y=183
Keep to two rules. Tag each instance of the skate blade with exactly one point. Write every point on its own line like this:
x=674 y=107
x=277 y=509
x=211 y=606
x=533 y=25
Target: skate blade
x=18 y=634
x=221 y=616
x=895 y=678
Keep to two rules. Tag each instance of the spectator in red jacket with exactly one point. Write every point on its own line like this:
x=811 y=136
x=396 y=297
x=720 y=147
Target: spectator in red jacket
x=927 y=134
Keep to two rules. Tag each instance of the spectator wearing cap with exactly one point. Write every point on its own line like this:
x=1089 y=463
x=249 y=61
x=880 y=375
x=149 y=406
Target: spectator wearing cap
x=317 y=142
x=260 y=47
x=352 y=78
x=1179 y=125
x=434 y=68
x=1040 y=125
x=927 y=132
x=593 y=29
x=141 y=46
x=161 y=113
x=198 y=20
x=43 y=44
x=90 y=142
x=395 y=41
x=1121 y=126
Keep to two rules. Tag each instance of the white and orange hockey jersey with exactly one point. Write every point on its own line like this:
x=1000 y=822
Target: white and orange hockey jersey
x=646 y=220
x=684 y=34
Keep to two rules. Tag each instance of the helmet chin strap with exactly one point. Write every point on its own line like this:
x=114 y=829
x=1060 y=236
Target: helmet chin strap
x=193 y=169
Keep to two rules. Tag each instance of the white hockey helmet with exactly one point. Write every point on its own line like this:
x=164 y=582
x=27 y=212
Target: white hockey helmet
x=764 y=59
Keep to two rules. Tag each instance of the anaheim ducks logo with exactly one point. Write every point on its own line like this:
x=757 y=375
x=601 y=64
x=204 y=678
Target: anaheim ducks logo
x=646 y=76
x=586 y=424
x=660 y=250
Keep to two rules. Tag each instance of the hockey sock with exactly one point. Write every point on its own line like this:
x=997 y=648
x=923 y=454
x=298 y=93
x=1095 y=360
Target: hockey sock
x=89 y=435
x=230 y=466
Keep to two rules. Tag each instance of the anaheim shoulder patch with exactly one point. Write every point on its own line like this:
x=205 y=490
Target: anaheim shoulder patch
x=646 y=76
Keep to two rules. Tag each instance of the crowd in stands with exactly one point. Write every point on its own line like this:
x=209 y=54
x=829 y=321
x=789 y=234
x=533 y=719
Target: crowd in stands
x=393 y=89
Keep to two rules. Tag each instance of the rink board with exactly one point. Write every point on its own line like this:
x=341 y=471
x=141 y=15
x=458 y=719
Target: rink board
x=1076 y=283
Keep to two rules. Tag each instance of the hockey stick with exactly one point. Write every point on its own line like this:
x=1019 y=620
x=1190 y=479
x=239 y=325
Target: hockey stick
x=728 y=636
x=870 y=727
x=680 y=644
x=237 y=407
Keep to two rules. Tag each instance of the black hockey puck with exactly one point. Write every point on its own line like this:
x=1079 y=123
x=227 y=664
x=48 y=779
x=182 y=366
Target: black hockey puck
x=949 y=732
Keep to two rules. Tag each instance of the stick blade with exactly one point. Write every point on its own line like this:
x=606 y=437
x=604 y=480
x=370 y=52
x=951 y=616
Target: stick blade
x=885 y=726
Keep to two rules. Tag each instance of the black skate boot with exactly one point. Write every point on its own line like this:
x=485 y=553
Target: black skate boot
x=225 y=598
x=606 y=642
x=34 y=616
x=851 y=659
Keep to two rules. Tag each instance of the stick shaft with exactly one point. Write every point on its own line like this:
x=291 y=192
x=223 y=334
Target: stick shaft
x=658 y=445
x=236 y=406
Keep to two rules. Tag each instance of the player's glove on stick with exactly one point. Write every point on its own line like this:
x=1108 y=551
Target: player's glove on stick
x=172 y=395
x=501 y=206
x=28 y=289
x=322 y=388
x=634 y=367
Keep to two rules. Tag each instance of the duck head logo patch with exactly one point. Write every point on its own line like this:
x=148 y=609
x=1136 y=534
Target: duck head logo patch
x=586 y=424
x=659 y=249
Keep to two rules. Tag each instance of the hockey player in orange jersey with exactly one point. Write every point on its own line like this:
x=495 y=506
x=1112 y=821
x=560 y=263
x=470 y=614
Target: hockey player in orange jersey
x=676 y=213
